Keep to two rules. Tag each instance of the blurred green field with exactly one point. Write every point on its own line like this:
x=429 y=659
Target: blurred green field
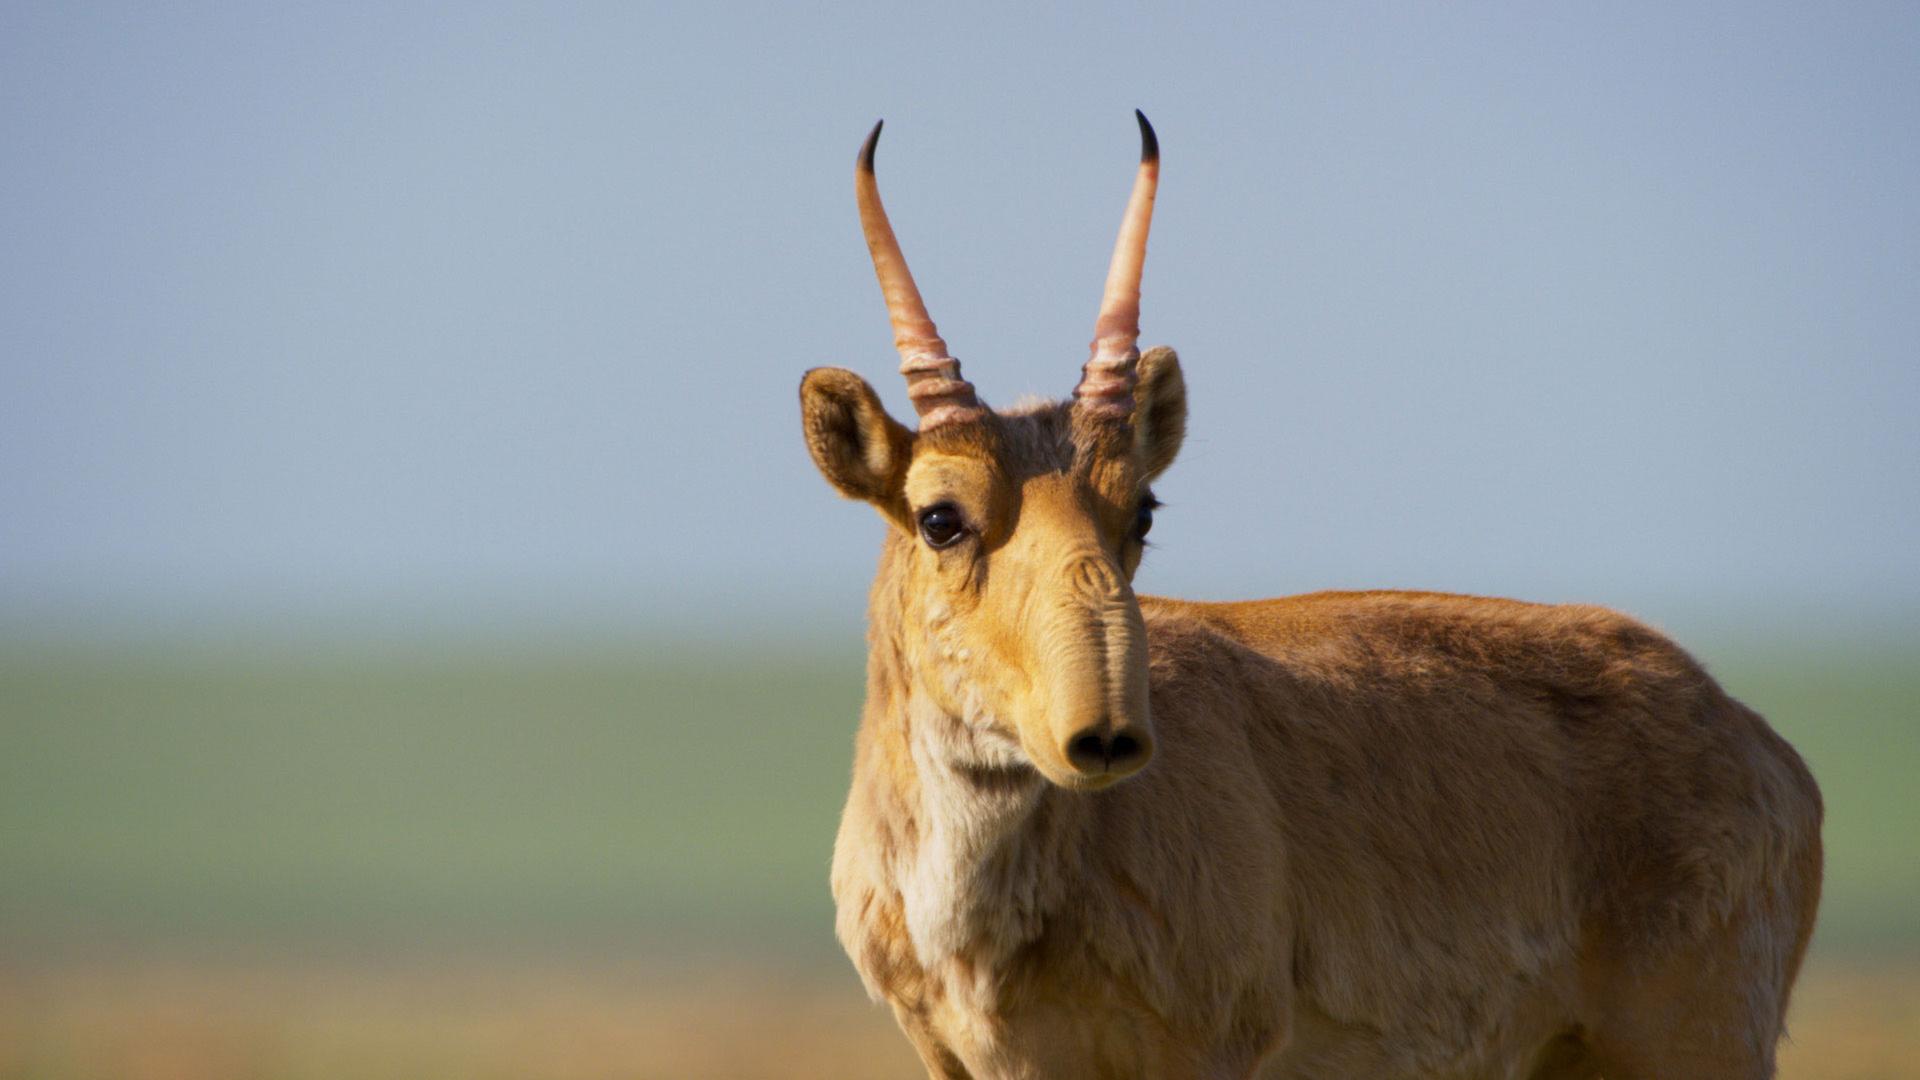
x=641 y=793
x=606 y=861
x=438 y=798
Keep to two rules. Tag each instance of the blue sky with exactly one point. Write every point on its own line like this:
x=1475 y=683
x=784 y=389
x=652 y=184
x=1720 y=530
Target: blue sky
x=496 y=313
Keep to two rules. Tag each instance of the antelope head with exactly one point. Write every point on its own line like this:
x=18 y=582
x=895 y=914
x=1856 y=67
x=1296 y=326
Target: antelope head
x=1016 y=533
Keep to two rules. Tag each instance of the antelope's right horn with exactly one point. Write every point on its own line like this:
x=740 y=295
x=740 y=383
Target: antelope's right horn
x=934 y=385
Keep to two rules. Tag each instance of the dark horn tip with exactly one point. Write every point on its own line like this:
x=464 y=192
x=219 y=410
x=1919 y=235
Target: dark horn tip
x=873 y=140
x=1149 y=142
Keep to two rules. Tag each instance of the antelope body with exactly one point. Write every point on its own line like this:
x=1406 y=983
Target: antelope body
x=1382 y=834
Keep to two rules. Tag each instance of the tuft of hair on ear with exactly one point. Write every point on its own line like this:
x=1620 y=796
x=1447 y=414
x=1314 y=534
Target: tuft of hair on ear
x=861 y=450
x=1159 y=409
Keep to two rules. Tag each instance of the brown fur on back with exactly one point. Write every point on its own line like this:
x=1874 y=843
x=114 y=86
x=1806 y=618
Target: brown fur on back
x=1473 y=786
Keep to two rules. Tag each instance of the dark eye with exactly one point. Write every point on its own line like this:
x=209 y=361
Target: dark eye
x=1143 y=521
x=941 y=525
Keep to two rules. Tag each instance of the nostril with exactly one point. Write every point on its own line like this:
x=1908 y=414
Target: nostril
x=1125 y=749
x=1087 y=751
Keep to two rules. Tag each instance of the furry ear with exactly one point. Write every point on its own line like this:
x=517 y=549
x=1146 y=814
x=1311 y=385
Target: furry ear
x=859 y=448
x=1159 y=410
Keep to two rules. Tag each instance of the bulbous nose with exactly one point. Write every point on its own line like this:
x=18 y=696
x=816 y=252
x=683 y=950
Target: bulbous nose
x=1106 y=750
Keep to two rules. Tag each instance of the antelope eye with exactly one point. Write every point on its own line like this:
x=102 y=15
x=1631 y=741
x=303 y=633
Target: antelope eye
x=1143 y=521
x=941 y=525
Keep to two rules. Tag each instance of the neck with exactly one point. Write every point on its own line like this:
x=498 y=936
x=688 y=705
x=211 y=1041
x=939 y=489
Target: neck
x=974 y=883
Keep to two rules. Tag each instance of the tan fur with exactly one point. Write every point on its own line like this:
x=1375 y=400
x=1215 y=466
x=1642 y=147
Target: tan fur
x=1381 y=834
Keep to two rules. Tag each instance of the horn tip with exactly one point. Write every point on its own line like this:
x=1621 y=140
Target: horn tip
x=867 y=148
x=1149 y=142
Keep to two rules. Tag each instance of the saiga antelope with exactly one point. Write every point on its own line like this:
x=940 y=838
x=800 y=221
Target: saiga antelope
x=1368 y=834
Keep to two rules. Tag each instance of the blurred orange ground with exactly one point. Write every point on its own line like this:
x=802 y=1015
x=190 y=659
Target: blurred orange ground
x=552 y=1020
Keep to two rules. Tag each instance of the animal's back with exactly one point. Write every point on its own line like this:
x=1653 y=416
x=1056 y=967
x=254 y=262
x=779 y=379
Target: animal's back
x=1487 y=801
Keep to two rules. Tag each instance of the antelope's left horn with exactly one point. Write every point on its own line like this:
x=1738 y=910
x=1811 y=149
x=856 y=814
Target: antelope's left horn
x=934 y=384
x=1107 y=380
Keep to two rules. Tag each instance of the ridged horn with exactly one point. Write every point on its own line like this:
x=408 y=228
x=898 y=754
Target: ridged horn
x=934 y=385
x=1107 y=380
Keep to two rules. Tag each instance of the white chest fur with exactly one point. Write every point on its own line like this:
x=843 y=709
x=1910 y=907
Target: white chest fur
x=975 y=882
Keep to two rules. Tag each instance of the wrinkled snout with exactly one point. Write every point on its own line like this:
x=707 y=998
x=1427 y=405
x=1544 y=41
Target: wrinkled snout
x=1092 y=672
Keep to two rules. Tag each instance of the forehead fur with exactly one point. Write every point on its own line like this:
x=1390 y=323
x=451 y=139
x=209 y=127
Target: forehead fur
x=1031 y=438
